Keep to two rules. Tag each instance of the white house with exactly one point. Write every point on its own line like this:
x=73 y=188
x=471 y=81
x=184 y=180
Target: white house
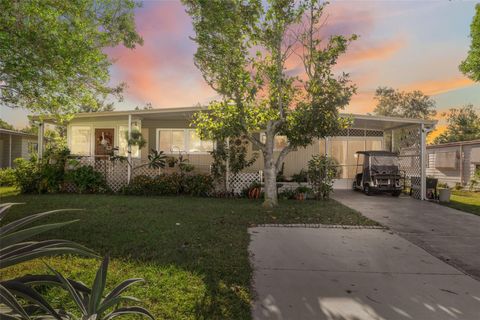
x=15 y=144
x=455 y=162
x=169 y=130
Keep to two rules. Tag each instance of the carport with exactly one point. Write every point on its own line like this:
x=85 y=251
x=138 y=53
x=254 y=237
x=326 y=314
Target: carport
x=407 y=137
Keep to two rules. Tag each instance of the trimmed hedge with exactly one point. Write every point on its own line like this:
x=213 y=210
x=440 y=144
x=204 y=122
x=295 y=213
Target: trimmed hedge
x=171 y=184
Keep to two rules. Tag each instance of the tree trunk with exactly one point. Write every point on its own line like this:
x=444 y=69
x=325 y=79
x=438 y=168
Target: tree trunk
x=269 y=171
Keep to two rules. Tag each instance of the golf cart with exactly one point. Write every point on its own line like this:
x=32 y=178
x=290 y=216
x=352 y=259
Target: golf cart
x=380 y=172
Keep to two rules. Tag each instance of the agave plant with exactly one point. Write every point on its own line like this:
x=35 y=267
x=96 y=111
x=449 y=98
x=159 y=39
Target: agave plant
x=15 y=249
x=93 y=304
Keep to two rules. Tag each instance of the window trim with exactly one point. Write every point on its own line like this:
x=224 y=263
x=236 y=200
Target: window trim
x=70 y=136
x=186 y=141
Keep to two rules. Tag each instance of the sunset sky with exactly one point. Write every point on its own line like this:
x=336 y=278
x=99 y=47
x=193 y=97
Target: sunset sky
x=403 y=44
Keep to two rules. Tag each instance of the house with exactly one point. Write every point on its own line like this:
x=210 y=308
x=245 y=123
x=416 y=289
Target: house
x=91 y=135
x=15 y=144
x=453 y=163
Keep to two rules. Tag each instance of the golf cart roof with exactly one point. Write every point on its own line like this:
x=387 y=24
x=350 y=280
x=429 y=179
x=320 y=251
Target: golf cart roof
x=378 y=153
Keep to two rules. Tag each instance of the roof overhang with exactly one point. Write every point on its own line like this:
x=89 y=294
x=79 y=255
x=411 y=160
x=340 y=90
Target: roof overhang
x=359 y=121
x=17 y=133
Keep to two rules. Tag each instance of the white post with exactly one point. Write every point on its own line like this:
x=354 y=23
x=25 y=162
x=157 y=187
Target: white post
x=227 y=166
x=393 y=141
x=423 y=169
x=41 y=131
x=10 y=151
x=129 y=149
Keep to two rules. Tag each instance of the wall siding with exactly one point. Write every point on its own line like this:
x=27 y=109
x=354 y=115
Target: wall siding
x=453 y=176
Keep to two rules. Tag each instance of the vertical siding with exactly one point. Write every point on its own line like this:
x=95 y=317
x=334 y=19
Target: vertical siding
x=5 y=151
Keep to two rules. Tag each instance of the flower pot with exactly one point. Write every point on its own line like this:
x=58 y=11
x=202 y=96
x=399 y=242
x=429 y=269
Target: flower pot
x=444 y=195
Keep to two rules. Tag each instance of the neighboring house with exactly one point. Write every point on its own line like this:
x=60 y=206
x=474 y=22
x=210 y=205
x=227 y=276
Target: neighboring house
x=169 y=130
x=455 y=162
x=15 y=144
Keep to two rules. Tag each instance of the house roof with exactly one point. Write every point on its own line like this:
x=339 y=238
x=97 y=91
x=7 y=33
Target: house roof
x=359 y=121
x=17 y=133
x=454 y=144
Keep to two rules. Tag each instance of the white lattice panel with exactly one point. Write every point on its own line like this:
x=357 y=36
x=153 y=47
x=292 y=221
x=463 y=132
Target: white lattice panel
x=242 y=180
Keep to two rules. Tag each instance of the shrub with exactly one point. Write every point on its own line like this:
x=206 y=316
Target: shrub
x=198 y=184
x=87 y=180
x=300 y=177
x=27 y=176
x=321 y=172
x=171 y=184
x=7 y=177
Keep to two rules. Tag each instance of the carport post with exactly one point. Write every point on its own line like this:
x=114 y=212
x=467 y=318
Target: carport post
x=10 y=150
x=423 y=169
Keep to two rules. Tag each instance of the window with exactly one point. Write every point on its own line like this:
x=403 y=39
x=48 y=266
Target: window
x=279 y=142
x=195 y=144
x=80 y=140
x=182 y=140
x=123 y=145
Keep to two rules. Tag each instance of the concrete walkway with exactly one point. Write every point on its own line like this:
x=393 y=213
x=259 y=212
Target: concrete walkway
x=354 y=274
x=450 y=235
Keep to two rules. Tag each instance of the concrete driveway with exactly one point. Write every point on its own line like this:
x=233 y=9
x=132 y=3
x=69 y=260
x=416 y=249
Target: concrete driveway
x=354 y=274
x=450 y=235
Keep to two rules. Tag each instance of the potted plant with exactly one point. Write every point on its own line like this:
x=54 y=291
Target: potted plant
x=301 y=192
x=254 y=191
x=444 y=193
x=171 y=161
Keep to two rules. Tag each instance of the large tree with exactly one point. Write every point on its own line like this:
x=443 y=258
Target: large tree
x=5 y=125
x=471 y=65
x=52 y=58
x=396 y=103
x=243 y=49
x=463 y=124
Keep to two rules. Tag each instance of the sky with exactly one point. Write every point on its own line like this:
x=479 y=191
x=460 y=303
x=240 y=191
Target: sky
x=407 y=45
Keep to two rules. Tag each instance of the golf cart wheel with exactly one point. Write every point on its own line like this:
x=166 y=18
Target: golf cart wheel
x=396 y=193
x=366 y=190
x=354 y=186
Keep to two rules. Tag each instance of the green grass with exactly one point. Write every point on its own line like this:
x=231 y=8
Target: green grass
x=467 y=201
x=193 y=252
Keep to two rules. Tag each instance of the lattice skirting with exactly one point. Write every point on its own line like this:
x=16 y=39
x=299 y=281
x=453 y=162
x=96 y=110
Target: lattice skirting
x=240 y=181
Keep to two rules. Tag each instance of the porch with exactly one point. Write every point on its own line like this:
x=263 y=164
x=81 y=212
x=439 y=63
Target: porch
x=169 y=130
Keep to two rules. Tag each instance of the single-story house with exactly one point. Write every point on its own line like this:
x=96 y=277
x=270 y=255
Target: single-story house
x=455 y=162
x=15 y=144
x=169 y=130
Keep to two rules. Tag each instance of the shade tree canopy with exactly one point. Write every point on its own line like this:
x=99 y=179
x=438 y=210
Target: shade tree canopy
x=471 y=65
x=52 y=58
x=244 y=47
x=395 y=103
x=463 y=124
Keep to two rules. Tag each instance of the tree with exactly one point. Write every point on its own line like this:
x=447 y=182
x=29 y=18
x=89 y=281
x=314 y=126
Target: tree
x=396 y=103
x=52 y=58
x=5 y=125
x=463 y=124
x=471 y=65
x=242 y=50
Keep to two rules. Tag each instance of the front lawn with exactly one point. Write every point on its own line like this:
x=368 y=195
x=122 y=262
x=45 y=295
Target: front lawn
x=467 y=201
x=191 y=251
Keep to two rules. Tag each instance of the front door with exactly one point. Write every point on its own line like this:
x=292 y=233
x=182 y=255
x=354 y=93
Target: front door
x=104 y=141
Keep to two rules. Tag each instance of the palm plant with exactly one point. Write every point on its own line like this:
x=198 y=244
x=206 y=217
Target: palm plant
x=15 y=249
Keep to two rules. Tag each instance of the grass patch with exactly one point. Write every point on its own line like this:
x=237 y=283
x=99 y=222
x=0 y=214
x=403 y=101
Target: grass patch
x=467 y=201
x=192 y=251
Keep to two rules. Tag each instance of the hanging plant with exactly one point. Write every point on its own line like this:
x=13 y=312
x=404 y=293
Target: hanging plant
x=135 y=138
